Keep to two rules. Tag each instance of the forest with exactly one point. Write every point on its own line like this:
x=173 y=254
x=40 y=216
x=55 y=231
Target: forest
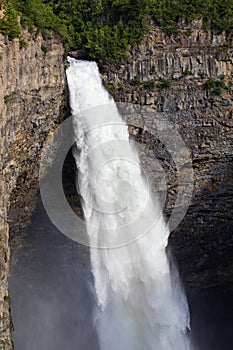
x=106 y=28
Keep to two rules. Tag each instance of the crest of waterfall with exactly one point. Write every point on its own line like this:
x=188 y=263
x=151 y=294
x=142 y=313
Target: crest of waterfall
x=140 y=302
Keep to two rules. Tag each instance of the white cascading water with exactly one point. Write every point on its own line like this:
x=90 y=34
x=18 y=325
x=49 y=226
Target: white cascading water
x=141 y=305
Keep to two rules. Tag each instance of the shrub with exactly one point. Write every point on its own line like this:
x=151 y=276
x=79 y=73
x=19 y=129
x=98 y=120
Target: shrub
x=149 y=84
x=217 y=91
x=36 y=34
x=209 y=84
x=46 y=34
x=7 y=298
x=120 y=87
x=6 y=98
x=187 y=72
x=67 y=64
x=172 y=31
x=136 y=81
x=44 y=48
x=107 y=28
x=224 y=47
x=202 y=75
x=215 y=86
x=164 y=84
x=152 y=70
x=9 y=23
x=188 y=32
x=22 y=43
x=111 y=88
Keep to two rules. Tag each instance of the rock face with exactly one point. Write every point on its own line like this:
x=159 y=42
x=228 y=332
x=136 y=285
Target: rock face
x=187 y=80
x=33 y=96
x=169 y=75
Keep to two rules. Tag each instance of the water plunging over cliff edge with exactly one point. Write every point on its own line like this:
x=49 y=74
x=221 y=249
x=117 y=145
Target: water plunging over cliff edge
x=141 y=305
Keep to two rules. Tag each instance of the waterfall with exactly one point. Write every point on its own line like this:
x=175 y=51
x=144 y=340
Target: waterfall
x=140 y=302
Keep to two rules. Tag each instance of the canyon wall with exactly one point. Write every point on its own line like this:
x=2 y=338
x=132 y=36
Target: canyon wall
x=33 y=98
x=168 y=74
x=187 y=80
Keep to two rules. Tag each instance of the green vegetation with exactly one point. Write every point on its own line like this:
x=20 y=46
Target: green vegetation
x=40 y=14
x=149 y=84
x=171 y=30
x=202 y=75
x=120 y=87
x=7 y=298
x=164 y=84
x=106 y=28
x=110 y=88
x=187 y=72
x=7 y=98
x=224 y=47
x=215 y=86
x=1 y=57
x=67 y=64
x=152 y=70
x=188 y=32
x=136 y=81
x=22 y=43
x=46 y=33
x=44 y=48
x=9 y=23
x=216 y=14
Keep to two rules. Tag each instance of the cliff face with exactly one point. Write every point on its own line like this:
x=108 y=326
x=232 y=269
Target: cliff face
x=187 y=80
x=33 y=95
x=33 y=99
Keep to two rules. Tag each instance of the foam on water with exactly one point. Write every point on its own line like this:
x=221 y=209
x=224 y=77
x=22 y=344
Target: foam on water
x=140 y=303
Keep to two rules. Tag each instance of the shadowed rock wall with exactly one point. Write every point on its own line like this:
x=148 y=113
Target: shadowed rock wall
x=33 y=96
